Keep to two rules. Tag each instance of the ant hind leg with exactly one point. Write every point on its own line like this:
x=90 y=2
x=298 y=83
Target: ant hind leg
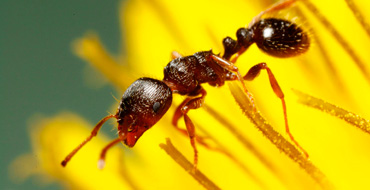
x=252 y=74
x=282 y=4
x=175 y=55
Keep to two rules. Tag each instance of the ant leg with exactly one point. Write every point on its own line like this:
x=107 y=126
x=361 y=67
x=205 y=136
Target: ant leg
x=175 y=55
x=178 y=114
x=182 y=110
x=232 y=68
x=176 y=117
x=275 y=7
x=94 y=132
x=253 y=73
x=192 y=104
x=101 y=162
x=241 y=51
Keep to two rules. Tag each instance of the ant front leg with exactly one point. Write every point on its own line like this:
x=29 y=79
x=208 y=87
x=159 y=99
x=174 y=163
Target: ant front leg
x=101 y=162
x=176 y=117
x=178 y=114
x=188 y=104
x=253 y=73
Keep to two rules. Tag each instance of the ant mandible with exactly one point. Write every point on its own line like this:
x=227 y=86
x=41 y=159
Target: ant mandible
x=146 y=100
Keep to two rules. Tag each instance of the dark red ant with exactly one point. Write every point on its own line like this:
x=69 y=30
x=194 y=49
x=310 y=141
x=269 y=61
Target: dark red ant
x=147 y=100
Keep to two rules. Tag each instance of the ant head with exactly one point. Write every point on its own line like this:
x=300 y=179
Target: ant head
x=142 y=105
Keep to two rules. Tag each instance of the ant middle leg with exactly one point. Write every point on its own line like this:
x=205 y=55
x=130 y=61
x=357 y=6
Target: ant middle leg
x=232 y=68
x=252 y=74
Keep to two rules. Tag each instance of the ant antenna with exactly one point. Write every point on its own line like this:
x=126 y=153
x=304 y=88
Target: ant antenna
x=93 y=134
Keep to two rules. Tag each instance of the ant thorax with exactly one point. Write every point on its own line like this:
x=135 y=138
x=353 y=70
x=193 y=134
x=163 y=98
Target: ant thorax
x=187 y=73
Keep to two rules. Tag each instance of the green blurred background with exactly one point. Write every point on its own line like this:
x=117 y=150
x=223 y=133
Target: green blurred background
x=40 y=74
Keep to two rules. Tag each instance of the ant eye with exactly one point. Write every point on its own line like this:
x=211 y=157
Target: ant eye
x=156 y=107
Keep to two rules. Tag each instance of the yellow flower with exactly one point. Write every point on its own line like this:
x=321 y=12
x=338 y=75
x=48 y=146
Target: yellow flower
x=152 y=30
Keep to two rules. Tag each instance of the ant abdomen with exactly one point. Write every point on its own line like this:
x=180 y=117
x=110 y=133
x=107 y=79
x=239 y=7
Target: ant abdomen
x=277 y=37
x=280 y=38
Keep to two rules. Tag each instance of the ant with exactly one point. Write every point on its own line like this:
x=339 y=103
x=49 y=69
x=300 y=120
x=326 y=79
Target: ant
x=146 y=100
